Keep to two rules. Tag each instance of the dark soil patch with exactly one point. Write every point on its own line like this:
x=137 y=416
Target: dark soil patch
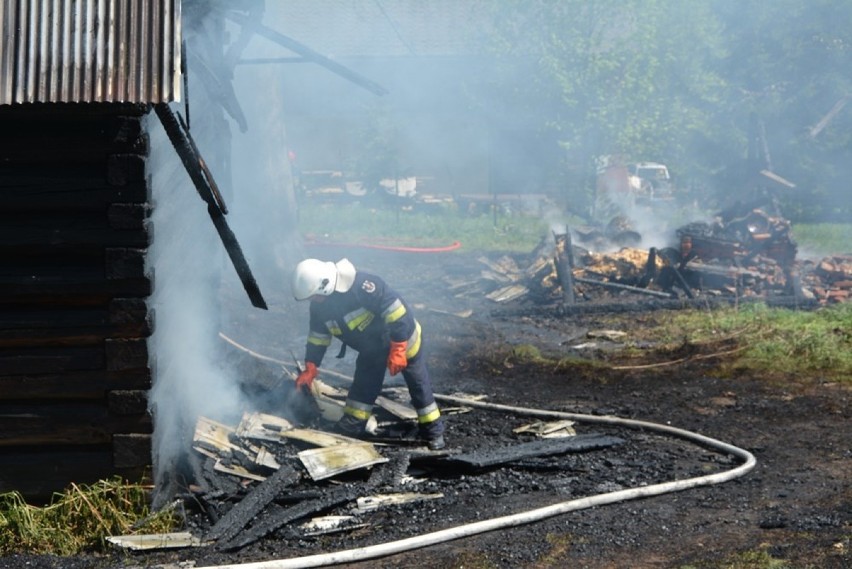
x=796 y=505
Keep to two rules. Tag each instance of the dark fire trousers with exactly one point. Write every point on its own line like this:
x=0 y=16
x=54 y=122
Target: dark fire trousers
x=370 y=370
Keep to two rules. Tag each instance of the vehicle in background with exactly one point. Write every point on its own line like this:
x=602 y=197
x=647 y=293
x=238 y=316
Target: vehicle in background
x=650 y=180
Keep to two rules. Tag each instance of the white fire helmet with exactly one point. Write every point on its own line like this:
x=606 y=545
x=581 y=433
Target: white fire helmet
x=313 y=276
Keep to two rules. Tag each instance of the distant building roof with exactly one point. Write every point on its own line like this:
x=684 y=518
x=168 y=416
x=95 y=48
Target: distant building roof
x=67 y=51
x=386 y=28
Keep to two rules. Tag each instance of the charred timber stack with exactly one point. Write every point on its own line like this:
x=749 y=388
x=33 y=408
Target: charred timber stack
x=750 y=255
x=73 y=318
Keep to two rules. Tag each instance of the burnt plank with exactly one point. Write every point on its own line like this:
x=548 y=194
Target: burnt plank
x=50 y=360
x=70 y=293
x=55 y=326
x=117 y=120
x=128 y=311
x=63 y=423
x=123 y=316
x=124 y=354
x=127 y=215
x=61 y=385
x=252 y=504
x=64 y=191
x=544 y=447
x=39 y=472
x=68 y=337
x=45 y=259
x=45 y=151
x=68 y=137
x=127 y=402
x=68 y=263
x=124 y=263
x=274 y=516
x=12 y=318
x=131 y=450
x=123 y=169
x=58 y=228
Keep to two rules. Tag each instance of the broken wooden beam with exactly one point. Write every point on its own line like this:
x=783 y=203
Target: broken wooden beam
x=565 y=266
x=617 y=286
x=249 y=507
x=274 y=516
x=542 y=447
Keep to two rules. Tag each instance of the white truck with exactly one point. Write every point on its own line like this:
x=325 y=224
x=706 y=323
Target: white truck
x=650 y=180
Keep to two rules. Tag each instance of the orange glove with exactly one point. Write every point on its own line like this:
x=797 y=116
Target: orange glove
x=397 y=360
x=306 y=378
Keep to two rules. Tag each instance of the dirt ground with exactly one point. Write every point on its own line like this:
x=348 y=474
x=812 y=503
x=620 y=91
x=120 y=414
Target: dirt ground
x=795 y=505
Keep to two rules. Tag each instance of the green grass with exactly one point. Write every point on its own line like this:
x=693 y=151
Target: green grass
x=777 y=340
x=442 y=226
x=823 y=239
x=355 y=223
x=79 y=519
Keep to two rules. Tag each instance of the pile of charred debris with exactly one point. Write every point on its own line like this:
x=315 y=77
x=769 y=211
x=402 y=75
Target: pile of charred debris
x=291 y=476
x=750 y=256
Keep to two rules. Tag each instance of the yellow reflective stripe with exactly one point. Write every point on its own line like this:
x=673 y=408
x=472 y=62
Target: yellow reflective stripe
x=359 y=319
x=413 y=342
x=333 y=327
x=358 y=410
x=428 y=414
x=319 y=339
x=394 y=312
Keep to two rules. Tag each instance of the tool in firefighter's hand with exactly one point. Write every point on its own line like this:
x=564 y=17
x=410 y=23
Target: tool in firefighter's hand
x=203 y=180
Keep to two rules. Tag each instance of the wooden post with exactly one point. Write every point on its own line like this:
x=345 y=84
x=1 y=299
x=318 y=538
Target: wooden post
x=565 y=266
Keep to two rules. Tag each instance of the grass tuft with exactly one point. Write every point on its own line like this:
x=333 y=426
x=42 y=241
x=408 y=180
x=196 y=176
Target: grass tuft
x=358 y=224
x=79 y=519
x=778 y=340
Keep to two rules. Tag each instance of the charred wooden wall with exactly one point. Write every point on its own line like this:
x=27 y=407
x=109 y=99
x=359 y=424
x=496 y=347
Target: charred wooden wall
x=74 y=368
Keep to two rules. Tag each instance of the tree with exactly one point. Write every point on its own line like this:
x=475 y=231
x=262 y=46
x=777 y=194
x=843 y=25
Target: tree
x=629 y=77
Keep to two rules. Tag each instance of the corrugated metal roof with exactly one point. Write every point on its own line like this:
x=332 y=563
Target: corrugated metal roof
x=63 y=51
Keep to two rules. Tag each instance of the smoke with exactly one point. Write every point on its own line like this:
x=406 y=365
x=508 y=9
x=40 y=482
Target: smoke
x=196 y=291
x=463 y=121
x=185 y=262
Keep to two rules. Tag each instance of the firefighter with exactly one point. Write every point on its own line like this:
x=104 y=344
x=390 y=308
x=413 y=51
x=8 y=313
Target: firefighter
x=370 y=317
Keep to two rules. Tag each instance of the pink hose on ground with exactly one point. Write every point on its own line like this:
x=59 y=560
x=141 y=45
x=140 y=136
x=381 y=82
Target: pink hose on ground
x=451 y=247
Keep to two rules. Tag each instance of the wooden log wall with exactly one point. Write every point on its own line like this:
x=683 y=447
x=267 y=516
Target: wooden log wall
x=74 y=372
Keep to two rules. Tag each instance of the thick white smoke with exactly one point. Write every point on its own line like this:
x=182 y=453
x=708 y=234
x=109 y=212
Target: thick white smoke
x=196 y=289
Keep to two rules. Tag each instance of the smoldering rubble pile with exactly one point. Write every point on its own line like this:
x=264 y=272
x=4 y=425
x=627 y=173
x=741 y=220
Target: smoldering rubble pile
x=748 y=256
x=294 y=477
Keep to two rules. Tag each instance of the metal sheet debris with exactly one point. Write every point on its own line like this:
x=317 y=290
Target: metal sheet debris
x=322 y=463
x=176 y=540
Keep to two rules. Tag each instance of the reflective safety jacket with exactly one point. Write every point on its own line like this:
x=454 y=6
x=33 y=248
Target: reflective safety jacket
x=366 y=318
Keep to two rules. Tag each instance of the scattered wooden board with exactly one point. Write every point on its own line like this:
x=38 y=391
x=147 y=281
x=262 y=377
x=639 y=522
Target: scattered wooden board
x=548 y=429
x=330 y=524
x=507 y=293
x=542 y=447
x=369 y=503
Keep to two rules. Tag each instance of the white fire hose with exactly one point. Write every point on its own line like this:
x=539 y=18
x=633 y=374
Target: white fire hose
x=529 y=516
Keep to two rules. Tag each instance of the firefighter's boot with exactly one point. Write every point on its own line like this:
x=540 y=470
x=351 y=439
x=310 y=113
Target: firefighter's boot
x=351 y=426
x=432 y=434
